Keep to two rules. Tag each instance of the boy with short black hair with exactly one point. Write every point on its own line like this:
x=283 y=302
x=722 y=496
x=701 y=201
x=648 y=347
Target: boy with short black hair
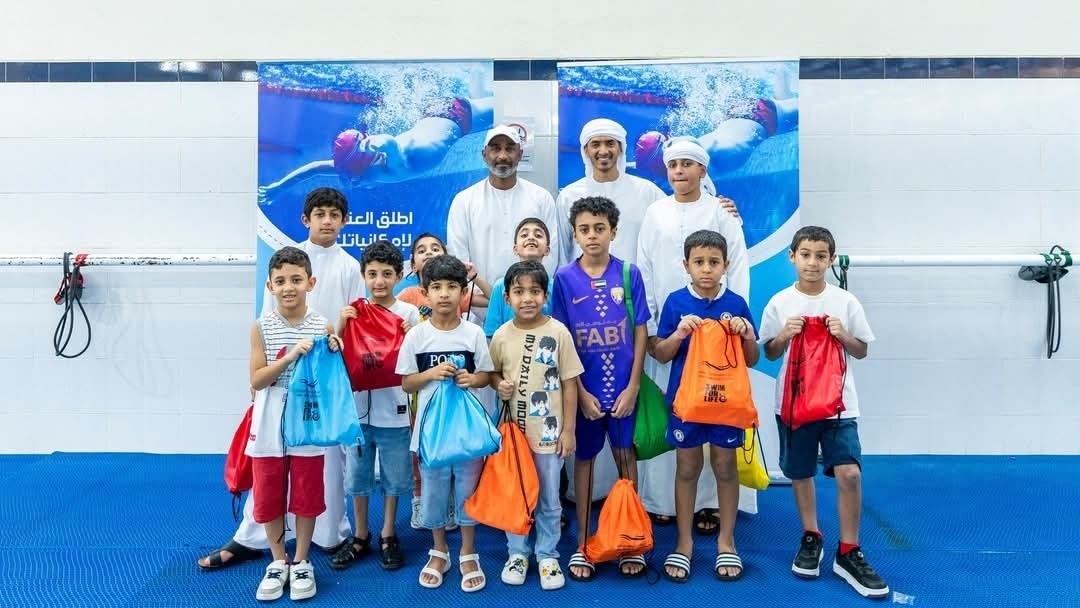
x=812 y=252
x=669 y=222
x=589 y=298
x=337 y=281
x=424 y=362
x=542 y=396
x=278 y=339
x=384 y=418
x=705 y=260
x=531 y=242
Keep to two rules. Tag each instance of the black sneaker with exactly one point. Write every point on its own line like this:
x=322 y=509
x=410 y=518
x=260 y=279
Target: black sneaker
x=807 y=562
x=859 y=574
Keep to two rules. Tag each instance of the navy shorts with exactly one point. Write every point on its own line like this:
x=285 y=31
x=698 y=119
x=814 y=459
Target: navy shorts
x=839 y=441
x=693 y=434
x=590 y=434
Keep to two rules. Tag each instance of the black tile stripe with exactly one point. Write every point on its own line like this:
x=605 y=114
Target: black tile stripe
x=1071 y=67
x=1042 y=67
x=810 y=68
x=113 y=71
x=28 y=72
x=907 y=67
x=70 y=71
x=862 y=68
x=239 y=71
x=996 y=67
x=156 y=71
x=200 y=71
x=952 y=67
x=814 y=68
x=512 y=70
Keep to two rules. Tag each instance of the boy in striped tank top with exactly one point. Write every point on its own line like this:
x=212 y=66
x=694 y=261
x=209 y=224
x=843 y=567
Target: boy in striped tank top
x=278 y=339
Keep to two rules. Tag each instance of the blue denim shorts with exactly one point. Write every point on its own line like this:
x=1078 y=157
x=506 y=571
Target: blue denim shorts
x=435 y=486
x=395 y=462
x=839 y=441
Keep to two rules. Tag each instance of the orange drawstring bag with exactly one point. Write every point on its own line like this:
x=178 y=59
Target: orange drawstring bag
x=715 y=386
x=509 y=488
x=623 y=529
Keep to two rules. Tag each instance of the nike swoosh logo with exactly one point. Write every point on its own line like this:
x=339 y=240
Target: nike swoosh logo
x=580 y=300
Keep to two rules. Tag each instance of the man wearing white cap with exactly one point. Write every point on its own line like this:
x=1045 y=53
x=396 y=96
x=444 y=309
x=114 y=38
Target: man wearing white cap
x=603 y=150
x=483 y=217
x=660 y=259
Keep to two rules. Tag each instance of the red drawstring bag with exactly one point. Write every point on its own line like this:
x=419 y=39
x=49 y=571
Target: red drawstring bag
x=715 y=385
x=509 y=488
x=238 y=477
x=371 y=344
x=814 y=380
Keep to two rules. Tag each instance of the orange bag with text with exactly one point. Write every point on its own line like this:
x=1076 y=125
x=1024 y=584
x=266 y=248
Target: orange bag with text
x=715 y=384
x=509 y=488
x=624 y=528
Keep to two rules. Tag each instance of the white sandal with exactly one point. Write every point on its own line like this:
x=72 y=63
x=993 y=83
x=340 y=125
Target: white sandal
x=471 y=576
x=433 y=572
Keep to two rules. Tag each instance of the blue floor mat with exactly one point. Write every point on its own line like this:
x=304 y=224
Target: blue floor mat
x=126 y=529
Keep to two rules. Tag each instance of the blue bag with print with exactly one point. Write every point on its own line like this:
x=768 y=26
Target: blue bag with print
x=455 y=427
x=320 y=409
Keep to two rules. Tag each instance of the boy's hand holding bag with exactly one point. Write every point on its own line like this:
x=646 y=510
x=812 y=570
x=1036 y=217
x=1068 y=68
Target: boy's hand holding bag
x=454 y=426
x=319 y=409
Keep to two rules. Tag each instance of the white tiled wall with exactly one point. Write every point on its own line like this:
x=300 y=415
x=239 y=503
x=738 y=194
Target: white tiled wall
x=952 y=166
x=891 y=166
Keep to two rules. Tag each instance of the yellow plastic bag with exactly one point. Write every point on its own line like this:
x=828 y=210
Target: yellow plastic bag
x=752 y=473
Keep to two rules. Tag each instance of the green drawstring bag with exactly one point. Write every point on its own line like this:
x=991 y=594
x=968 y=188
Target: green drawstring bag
x=651 y=416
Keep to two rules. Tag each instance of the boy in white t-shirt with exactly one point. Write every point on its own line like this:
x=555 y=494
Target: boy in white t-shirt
x=424 y=361
x=384 y=420
x=812 y=251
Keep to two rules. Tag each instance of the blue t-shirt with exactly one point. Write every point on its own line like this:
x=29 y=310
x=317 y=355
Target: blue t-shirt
x=594 y=310
x=499 y=310
x=410 y=280
x=685 y=302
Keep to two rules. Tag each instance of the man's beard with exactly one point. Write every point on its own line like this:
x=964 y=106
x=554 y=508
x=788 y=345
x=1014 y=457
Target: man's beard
x=502 y=171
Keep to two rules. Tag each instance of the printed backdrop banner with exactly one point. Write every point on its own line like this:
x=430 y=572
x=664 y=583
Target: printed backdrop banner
x=399 y=139
x=745 y=114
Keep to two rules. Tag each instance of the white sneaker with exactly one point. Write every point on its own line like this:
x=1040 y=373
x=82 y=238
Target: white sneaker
x=414 y=522
x=515 y=569
x=272 y=585
x=551 y=576
x=302 y=581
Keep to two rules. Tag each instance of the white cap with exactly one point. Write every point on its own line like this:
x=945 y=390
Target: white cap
x=512 y=132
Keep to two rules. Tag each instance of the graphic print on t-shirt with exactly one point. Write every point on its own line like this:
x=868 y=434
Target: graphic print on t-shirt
x=551 y=379
x=540 y=404
x=547 y=351
x=426 y=361
x=550 y=432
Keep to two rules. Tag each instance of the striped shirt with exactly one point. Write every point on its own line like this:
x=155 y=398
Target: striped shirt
x=279 y=336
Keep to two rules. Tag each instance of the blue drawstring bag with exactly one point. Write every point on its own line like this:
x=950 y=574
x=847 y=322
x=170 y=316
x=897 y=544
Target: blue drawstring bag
x=320 y=409
x=455 y=427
